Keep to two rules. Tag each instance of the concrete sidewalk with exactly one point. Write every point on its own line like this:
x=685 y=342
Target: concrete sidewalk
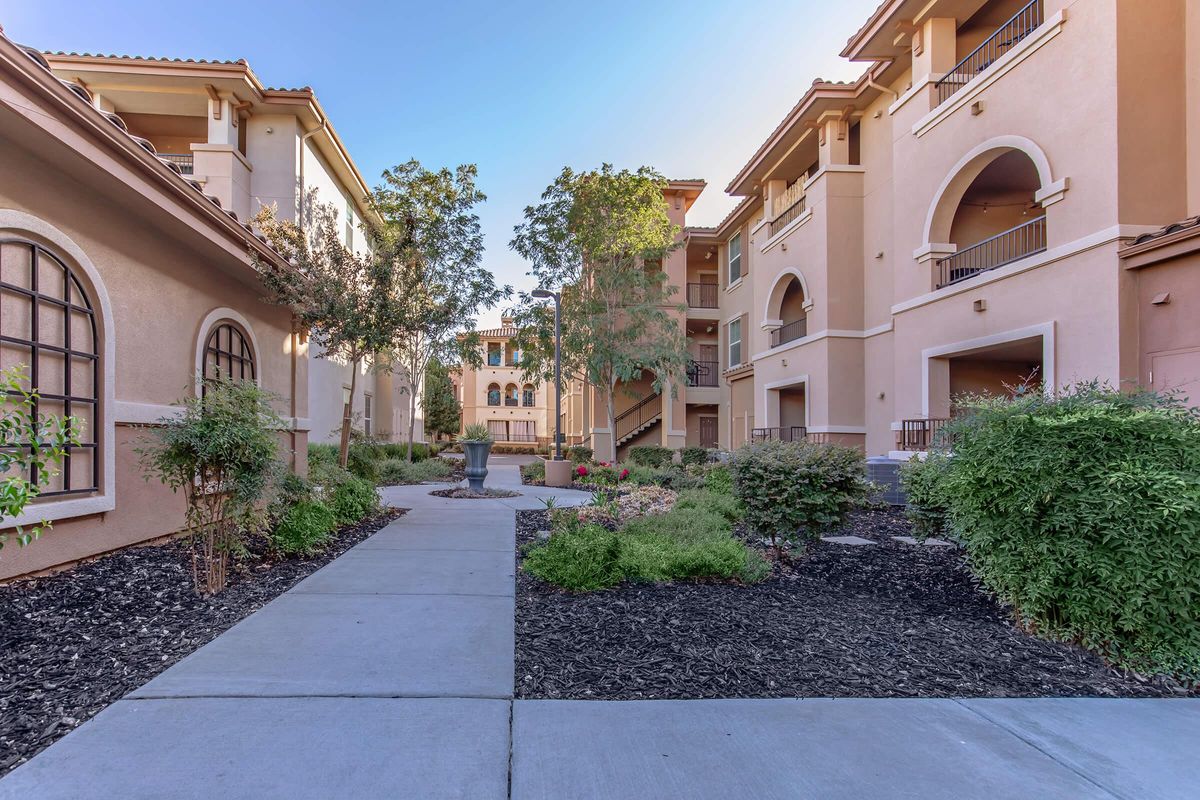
x=389 y=674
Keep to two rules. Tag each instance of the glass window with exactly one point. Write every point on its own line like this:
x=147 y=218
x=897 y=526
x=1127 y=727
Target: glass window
x=735 y=258
x=367 y=414
x=510 y=395
x=493 y=354
x=527 y=396
x=735 y=343
x=227 y=352
x=493 y=397
x=48 y=327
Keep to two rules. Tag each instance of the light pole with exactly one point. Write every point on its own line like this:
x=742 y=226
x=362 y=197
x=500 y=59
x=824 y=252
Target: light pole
x=542 y=294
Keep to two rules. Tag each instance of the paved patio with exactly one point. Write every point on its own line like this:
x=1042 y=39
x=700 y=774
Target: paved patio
x=389 y=674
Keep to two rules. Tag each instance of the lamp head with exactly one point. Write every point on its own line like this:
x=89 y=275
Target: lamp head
x=542 y=293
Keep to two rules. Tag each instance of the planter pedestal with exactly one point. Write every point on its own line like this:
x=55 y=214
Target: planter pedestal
x=558 y=473
x=476 y=454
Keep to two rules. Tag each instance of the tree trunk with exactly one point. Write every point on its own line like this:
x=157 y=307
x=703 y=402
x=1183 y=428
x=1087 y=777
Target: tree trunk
x=347 y=415
x=611 y=405
x=412 y=416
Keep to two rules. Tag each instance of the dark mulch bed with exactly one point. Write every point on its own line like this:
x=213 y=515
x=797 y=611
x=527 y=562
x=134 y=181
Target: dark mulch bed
x=74 y=642
x=465 y=493
x=888 y=620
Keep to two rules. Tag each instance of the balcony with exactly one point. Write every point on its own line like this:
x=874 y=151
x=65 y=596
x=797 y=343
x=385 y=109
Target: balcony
x=702 y=295
x=182 y=160
x=787 y=206
x=1007 y=36
x=703 y=374
x=1003 y=248
x=510 y=402
x=789 y=332
x=793 y=433
x=917 y=435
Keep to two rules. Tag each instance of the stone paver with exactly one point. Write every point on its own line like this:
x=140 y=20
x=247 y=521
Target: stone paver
x=930 y=542
x=853 y=541
x=388 y=674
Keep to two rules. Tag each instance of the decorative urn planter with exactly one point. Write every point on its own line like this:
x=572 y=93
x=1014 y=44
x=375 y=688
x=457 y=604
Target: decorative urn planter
x=476 y=455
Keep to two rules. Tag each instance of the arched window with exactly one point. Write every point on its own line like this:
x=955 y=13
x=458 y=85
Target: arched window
x=510 y=395
x=227 y=353
x=527 y=396
x=48 y=326
x=493 y=394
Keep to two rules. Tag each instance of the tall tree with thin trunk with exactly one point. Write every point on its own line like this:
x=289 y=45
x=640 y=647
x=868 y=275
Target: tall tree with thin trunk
x=443 y=412
x=431 y=234
x=602 y=236
x=334 y=293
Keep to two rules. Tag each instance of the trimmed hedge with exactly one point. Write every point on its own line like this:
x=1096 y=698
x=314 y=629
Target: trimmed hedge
x=1083 y=513
x=796 y=490
x=651 y=455
x=579 y=454
x=693 y=456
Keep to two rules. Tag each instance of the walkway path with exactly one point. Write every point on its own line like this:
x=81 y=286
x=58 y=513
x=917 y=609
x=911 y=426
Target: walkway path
x=389 y=674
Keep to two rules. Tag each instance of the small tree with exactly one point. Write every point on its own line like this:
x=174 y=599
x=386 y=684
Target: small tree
x=432 y=241
x=443 y=413
x=29 y=444
x=221 y=452
x=602 y=236
x=333 y=292
x=794 y=490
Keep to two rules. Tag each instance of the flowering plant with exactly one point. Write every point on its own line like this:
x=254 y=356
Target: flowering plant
x=581 y=471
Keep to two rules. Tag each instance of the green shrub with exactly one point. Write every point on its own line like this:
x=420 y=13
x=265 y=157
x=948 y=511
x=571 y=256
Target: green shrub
x=420 y=451
x=923 y=481
x=797 y=489
x=397 y=471
x=723 y=505
x=304 y=528
x=353 y=500
x=651 y=455
x=578 y=454
x=322 y=454
x=534 y=471
x=718 y=479
x=693 y=456
x=582 y=558
x=362 y=461
x=1083 y=513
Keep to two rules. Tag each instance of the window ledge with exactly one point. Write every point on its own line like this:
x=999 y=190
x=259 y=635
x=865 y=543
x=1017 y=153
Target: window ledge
x=735 y=284
x=66 y=508
x=1002 y=66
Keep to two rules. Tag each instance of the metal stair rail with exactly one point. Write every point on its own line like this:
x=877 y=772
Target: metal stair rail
x=636 y=419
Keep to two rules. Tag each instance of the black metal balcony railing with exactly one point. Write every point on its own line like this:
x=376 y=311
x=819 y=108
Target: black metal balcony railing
x=702 y=295
x=789 y=332
x=793 y=433
x=703 y=373
x=789 y=214
x=510 y=401
x=920 y=434
x=996 y=251
x=1004 y=39
x=182 y=160
x=522 y=437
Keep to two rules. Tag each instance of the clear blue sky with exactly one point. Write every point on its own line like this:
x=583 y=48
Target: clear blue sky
x=519 y=88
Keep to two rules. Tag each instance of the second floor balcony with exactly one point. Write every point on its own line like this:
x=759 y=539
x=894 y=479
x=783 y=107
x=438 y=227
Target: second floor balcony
x=1003 y=248
x=703 y=374
x=702 y=295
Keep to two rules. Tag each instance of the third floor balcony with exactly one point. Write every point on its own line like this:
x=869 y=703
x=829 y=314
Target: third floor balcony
x=998 y=41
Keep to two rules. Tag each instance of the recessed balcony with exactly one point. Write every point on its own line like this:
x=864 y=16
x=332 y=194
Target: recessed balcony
x=1004 y=39
x=702 y=295
x=1004 y=248
x=703 y=374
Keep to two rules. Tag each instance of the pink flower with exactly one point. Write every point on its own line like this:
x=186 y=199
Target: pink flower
x=624 y=474
x=581 y=470
x=604 y=463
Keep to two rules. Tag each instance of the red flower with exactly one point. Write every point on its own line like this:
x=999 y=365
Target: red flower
x=604 y=463
x=581 y=470
x=624 y=474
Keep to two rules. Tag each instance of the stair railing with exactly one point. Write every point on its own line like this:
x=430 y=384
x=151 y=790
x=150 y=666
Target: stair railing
x=630 y=420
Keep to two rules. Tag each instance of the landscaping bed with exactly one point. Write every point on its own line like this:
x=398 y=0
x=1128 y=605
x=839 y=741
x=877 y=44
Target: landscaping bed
x=466 y=493
x=72 y=643
x=882 y=620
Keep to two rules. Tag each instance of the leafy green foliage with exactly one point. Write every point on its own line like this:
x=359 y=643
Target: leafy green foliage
x=651 y=455
x=476 y=432
x=797 y=489
x=579 y=454
x=723 y=505
x=718 y=479
x=1083 y=513
x=693 y=456
x=923 y=480
x=27 y=470
x=669 y=477
x=582 y=559
x=362 y=462
x=304 y=528
x=443 y=413
x=602 y=236
x=534 y=471
x=396 y=471
x=221 y=452
x=353 y=500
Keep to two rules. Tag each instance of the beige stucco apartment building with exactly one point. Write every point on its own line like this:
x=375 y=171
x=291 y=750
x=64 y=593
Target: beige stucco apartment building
x=126 y=186
x=516 y=411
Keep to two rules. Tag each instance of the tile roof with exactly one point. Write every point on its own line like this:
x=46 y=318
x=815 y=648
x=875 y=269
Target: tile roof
x=497 y=332
x=1167 y=230
x=126 y=57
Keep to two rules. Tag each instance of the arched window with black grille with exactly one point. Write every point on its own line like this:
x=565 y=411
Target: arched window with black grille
x=228 y=354
x=48 y=327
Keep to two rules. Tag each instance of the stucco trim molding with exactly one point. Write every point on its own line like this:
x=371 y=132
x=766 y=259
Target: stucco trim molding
x=1002 y=66
x=796 y=380
x=1051 y=193
x=18 y=222
x=804 y=217
x=828 y=333
x=210 y=320
x=775 y=297
x=1045 y=330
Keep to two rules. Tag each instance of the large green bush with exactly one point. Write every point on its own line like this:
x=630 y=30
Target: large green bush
x=534 y=470
x=1083 y=513
x=353 y=500
x=693 y=456
x=583 y=558
x=651 y=455
x=398 y=471
x=304 y=528
x=796 y=490
x=579 y=454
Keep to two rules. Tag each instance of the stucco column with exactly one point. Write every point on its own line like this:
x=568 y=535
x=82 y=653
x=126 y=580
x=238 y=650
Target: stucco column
x=834 y=144
x=934 y=52
x=774 y=189
x=222 y=122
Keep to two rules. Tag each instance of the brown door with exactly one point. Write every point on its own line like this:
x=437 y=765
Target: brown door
x=708 y=431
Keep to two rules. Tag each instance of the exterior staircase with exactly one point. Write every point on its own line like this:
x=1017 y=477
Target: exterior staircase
x=632 y=421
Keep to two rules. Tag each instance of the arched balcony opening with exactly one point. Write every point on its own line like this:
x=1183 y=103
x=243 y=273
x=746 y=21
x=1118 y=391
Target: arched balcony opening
x=787 y=309
x=511 y=397
x=493 y=394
